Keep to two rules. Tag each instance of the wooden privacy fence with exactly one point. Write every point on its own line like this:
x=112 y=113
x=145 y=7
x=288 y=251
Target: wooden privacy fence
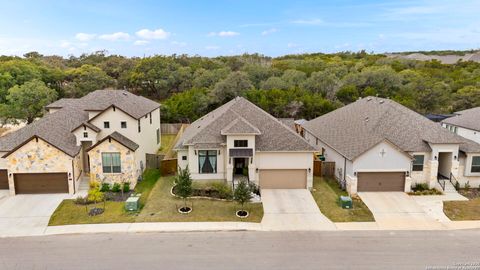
x=166 y=166
x=153 y=161
x=168 y=128
x=323 y=168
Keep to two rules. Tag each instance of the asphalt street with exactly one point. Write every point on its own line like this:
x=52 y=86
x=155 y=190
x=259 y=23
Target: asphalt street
x=246 y=250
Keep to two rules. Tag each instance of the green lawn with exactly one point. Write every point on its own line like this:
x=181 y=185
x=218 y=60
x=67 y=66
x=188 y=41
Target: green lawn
x=168 y=142
x=158 y=205
x=161 y=206
x=462 y=210
x=326 y=193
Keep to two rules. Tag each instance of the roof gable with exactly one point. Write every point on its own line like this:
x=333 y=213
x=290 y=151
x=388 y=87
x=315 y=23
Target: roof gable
x=355 y=128
x=116 y=136
x=240 y=126
x=274 y=135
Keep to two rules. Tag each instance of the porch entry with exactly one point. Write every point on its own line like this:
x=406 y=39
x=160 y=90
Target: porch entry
x=444 y=165
x=85 y=157
x=240 y=165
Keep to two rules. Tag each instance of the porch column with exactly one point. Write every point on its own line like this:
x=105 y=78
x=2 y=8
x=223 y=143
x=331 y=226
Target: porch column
x=433 y=173
x=229 y=169
x=252 y=176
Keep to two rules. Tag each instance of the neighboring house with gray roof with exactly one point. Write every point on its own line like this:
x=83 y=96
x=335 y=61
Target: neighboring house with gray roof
x=380 y=145
x=104 y=135
x=241 y=141
x=465 y=123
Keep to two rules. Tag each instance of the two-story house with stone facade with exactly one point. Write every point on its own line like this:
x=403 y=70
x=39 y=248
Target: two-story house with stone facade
x=104 y=135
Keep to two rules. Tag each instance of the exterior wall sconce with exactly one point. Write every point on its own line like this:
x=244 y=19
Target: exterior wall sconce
x=354 y=173
x=309 y=170
x=256 y=170
x=10 y=174
x=195 y=151
x=219 y=152
x=454 y=157
x=435 y=157
x=407 y=173
x=69 y=175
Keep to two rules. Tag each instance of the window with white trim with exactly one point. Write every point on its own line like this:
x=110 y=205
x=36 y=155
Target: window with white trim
x=475 y=165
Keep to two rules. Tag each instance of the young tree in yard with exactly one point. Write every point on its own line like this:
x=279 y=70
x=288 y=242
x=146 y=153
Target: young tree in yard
x=183 y=183
x=26 y=102
x=95 y=195
x=242 y=193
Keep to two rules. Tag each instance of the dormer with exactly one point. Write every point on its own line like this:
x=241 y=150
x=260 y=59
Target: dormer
x=86 y=132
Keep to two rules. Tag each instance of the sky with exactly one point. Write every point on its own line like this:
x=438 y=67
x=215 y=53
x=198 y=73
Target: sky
x=212 y=28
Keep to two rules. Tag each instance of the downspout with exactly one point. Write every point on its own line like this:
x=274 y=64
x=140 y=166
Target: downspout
x=344 y=169
x=73 y=177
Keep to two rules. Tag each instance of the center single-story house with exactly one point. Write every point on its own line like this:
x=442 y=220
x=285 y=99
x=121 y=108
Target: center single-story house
x=104 y=135
x=380 y=145
x=240 y=141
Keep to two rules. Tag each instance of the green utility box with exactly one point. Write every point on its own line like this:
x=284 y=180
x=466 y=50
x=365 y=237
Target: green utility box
x=132 y=203
x=346 y=202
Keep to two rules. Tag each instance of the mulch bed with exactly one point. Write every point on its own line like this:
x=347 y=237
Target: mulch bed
x=204 y=192
x=470 y=193
x=117 y=196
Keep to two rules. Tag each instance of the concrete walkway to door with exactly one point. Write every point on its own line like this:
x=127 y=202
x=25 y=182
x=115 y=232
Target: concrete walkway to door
x=399 y=211
x=292 y=210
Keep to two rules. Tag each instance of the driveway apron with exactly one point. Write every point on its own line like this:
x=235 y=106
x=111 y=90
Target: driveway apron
x=292 y=210
x=27 y=214
x=399 y=211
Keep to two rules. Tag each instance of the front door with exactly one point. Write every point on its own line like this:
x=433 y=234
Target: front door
x=239 y=165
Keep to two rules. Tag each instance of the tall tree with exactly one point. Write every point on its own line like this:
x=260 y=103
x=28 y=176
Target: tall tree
x=236 y=84
x=26 y=102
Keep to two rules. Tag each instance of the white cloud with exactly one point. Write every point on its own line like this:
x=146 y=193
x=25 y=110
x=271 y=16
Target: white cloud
x=292 y=45
x=153 y=34
x=223 y=34
x=309 y=21
x=84 y=36
x=140 y=42
x=115 y=36
x=212 y=47
x=65 y=44
x=269 y=31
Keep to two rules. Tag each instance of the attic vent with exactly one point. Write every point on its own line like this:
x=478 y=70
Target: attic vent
x=369 y=98
x=366 y=119
x=198 y=126
x=381 y=101
x=125 y=94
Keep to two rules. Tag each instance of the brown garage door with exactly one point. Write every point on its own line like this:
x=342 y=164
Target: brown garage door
x=283 y=179
x=381 y=181
x=3 y=179
x=37 y=183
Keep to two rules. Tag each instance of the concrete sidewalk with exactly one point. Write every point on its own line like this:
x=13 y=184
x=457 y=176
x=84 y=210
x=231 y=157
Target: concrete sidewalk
x=217 y=226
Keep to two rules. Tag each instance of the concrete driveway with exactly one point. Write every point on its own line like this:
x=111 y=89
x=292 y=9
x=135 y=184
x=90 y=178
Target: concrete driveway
x=398 y=210
x=27 y=214
x=292 y=210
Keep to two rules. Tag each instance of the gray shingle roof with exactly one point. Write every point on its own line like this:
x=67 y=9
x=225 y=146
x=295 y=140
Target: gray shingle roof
x=56 y=127
x=119 y=138
x=240 y=126
x=467 y=118
x=274 y=136
x=359 y=126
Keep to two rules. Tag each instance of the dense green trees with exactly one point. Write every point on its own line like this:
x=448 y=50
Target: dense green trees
x=299 y=86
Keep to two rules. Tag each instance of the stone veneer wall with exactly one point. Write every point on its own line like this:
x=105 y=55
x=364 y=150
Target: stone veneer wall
x=38 y=157
x=129 y=173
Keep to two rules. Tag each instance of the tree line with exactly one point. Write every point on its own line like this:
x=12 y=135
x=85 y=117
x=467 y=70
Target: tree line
x=297 y=86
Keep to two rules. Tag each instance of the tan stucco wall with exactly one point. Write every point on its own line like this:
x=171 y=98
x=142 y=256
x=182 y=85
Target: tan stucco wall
x=130 y=171
x=39 y=157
